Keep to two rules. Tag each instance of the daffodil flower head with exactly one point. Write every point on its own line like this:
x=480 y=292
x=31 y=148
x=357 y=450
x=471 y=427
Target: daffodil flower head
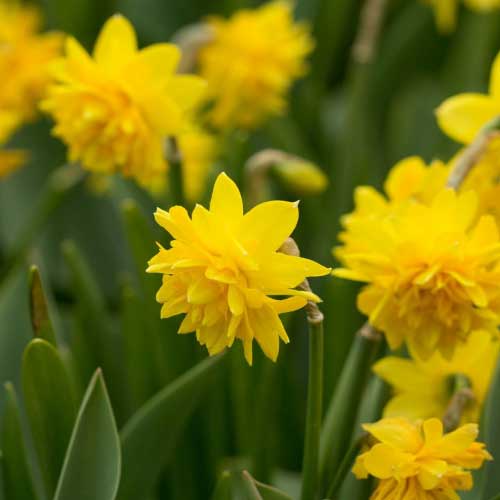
x=418 y=461
x=24 y=56
x=432 y=271
x=252 y=61
x=114 y=109
x=223 y=271
x=424 y=388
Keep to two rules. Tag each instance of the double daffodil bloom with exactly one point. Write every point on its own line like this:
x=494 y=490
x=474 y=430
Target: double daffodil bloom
x=417 y=461
x=115 y=109
x=223 y=271
x=251 y=63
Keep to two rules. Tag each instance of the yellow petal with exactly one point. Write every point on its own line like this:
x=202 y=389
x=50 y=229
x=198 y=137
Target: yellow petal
x=495 y=78
x=116 y=43
x=266 y=227
x=431 y=473
x=433 y=430
x=406 y=376
x=226 y=202
x=161 y=59
x=396 y=432
x=186 y=90
x=446 y=15
x=462 y=116
x=383 y=461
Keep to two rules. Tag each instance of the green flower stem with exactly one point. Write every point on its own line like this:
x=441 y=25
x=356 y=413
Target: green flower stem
x=345 y=467
x=310 y=470
x=176 y=185
x=59 y=185
x=341 y=414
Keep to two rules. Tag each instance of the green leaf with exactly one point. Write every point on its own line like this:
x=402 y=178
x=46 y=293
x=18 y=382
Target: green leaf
x=150 y=436
x=260 y=491
x=17 y=474
x=99 y=345
x=40 y=319
x=92 y=465
x=223 y=488
x=490 y=473
x=50 y=405
x=339 y=421
x=59 y=185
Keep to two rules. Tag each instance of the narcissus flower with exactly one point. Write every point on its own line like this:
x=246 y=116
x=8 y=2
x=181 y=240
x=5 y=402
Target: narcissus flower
x=423 y=389
x=115 y=109
x=433 y=271
x=251 y=63
x=24 y=56
x=417 y=461
x=446 y=11
x=461 y=117
x=223 y=271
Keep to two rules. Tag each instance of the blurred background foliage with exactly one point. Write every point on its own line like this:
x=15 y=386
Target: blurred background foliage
x=354 y=120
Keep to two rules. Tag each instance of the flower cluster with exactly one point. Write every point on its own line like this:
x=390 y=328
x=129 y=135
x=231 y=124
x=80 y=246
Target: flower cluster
x=417 y=461
x=223 y=271
x=251 y=63
x=116 y=108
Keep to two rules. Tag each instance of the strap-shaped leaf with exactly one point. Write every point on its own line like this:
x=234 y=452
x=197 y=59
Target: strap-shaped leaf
x=151 y=435
x=51 y=407
x=40 y=320
x=92 y=465
x=259 y=491
x=17 y=474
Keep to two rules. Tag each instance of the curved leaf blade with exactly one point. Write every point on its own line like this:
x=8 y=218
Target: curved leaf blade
x=150 y=436
x=17 y=475
x=50 y=405
x=92 y=465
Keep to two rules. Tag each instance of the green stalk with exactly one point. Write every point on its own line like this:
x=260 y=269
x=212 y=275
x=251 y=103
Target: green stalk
x=341 y=415
x=344 y=468
x=175 y=174
x=310 y=477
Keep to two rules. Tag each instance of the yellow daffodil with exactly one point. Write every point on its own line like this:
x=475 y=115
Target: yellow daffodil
x=432 y=271
x=417 y=461
x=251 y=63
x=446 y=11
x=461 y=117
x=115 y=109
x=423 y=388
x=198 y=150
x=24 y=56
x=223 y=270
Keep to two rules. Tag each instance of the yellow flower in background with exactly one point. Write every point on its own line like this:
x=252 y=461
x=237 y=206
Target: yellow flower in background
x=24 y=56
x=251 y=63
x=461 y=117
x=432 y=271
x=223 y=270
x=417 y=461
x=115 y=109
x=424 y=388
x=446 y=11
x=199 y=151
x=410 y=180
